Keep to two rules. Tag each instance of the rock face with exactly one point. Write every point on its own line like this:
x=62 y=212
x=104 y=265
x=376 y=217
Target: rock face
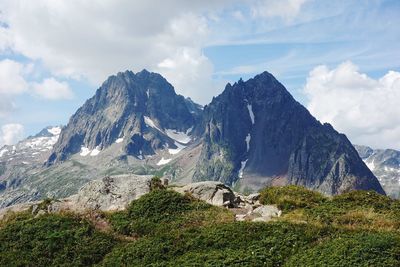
x=140 y=110
x=385 y=164
x=256 y=135
x=111 y=193
x=214 y=193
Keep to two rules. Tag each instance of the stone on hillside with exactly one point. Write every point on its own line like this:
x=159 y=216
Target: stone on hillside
x=214 y=193
x=111 y=193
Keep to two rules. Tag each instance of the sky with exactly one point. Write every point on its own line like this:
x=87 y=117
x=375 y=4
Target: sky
x=340 y=59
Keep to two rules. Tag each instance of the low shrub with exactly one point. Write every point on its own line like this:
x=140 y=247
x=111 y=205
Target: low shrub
x=362 y=249
x=232 y=244
x=52 y=240
x=291 y=197
x=163 y=210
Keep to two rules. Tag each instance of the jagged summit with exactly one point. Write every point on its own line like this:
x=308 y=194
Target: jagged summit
x=257 y=134
x=252 y=135
x=136 y=109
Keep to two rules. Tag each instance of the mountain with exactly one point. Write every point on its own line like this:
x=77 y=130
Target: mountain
x=26 y=156
x=140 y=110
x=257 y=135
x=385 y=164
x=252 y=135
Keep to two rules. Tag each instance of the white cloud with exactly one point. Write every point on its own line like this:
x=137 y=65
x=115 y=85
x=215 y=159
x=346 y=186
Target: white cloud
x=286 y=9
x=77 y=39
x=6 y=106
x=13 y=82
x=11 y=77
x=52 y=89
x=367 y=110
x=11 y=133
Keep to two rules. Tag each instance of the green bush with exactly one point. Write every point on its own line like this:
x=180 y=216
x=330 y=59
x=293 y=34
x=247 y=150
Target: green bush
x=365 y=209
x=52 y=240
x=364 y=199
x=155 y=183
x=240 y=244
x=291 y=197
x=162 y=210
x=363 y=249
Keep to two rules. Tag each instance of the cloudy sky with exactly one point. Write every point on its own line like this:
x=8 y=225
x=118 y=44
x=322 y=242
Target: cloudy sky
x=341 y=59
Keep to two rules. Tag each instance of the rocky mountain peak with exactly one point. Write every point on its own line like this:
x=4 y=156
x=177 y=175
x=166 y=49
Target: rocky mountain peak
x=256 y=135
x=136 y=108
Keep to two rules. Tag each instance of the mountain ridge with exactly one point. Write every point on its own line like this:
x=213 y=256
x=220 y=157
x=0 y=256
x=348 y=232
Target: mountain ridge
x=254 y=134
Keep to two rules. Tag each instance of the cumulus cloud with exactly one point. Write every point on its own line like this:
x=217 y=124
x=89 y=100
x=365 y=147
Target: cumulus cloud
x=11 y=133
x=52 y=89
x=286 y=9
x=77 y=39
x=367 y=110
x=11 y=77
x=13 y=82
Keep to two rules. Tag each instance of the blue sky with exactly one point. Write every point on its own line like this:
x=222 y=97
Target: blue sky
x=54 y=54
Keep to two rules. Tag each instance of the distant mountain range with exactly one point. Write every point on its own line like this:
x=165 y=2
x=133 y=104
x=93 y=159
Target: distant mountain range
x=252 y=135
x=385 y=164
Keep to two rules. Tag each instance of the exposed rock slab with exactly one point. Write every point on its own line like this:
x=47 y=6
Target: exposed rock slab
x=111 y=193
x=214 y=193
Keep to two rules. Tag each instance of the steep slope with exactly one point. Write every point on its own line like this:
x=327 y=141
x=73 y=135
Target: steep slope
x=141 y=111
x=385 y=164
x=256 y=134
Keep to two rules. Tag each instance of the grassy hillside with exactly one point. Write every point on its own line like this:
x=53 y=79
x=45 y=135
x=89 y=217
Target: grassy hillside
x=164 y=228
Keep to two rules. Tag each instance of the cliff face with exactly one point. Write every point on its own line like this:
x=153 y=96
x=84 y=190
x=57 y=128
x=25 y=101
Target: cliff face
x=256 y=134
x=136 y=109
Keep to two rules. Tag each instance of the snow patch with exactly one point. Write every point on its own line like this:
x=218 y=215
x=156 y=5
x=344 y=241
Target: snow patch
x=119 y=140
x=243 y=165
x=251 y=113
x=84 y=151
x=248 y=138
x=163 y=161
x=148 y=93
x=188 y=131
x=140 y=156
x=95 y=152
x=370 y=165
x=180 y=137
x=149 y=122
x=3 y=152
x=54 y=130
x=179 y=148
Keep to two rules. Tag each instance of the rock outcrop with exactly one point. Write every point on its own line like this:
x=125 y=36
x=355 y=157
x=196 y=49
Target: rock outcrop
x=111 y=193
x=214 y=193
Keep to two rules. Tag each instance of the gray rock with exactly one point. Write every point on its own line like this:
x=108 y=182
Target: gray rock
x=267 y=211
x=214 y=193
x=111 y=193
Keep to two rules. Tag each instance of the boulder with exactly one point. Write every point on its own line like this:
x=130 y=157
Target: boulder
x=214 y=193
x=265 y=213
x=111 y=193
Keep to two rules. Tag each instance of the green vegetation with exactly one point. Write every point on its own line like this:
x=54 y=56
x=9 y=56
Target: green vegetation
x=52 y=240
x=250 y=244
x=164 y=228
x=162 y=211
x=291 y=197
x=365 y=249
